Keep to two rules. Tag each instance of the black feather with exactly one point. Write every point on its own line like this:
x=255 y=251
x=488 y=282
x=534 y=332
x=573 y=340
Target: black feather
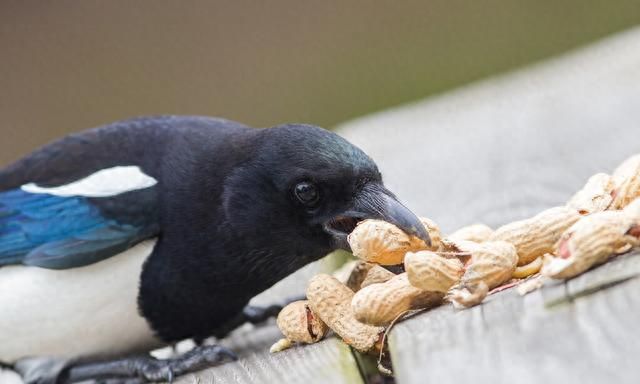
x=227 y=223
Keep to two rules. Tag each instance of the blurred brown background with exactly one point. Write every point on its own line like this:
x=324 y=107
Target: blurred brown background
x=69 y=65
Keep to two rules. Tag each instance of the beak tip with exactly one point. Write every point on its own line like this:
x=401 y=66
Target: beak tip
x=423 y=235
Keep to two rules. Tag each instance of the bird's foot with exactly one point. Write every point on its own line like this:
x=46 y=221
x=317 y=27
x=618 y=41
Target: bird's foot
x=148 y=369
x=40 y=370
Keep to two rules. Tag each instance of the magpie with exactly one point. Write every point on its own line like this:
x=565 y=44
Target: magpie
x=147 y=231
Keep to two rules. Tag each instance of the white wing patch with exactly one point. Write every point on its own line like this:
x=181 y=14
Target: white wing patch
x=104 y=183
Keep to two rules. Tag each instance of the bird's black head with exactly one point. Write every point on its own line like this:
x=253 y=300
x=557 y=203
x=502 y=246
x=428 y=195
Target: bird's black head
x=304 y=190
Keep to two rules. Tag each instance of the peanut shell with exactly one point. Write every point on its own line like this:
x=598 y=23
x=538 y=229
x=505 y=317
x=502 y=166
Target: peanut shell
x=468 y=296
x=299 y=324
x=281 y=345
x=475 y=232
x=379 y=242
x=452 y=245
x=536 y=236
x=431 y=272
x=346 y=270
x=633 y=209
x=595 y=196
x=376 y=275
x=358 y=274
x=530 y=285
x=380 y=304
x=592 y=241
x=331 y=300
x=627 y=182
x=492 y=263
x=527 y=270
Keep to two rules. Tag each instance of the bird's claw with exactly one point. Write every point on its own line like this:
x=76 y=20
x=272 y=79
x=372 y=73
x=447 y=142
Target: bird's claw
x=218 y=353
x=197 y=358
x=141 y=369
x=156 y=370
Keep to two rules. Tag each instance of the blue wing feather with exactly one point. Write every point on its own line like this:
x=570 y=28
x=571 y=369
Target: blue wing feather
x=58 y=232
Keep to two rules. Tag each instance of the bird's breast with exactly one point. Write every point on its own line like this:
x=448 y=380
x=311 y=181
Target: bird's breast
x=86 y=311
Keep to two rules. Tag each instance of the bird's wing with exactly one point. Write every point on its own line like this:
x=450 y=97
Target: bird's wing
x=59 y=228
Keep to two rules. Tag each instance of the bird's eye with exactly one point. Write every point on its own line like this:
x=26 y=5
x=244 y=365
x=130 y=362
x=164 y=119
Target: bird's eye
x=307 y=193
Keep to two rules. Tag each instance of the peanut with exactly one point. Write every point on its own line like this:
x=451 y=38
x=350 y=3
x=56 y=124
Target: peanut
x=527 y=270
x=595 y=196
x=376 y=275
x=298 y=323
x=536 y=236
x=592 y=241
x=380 y=304
x=346 y=270
x=358 y=274
x=627 y=182
x=364 y=274
x=383 y=243
x=529 y=285
x=492 y=263
x=452 y=245
x=281 y=345
x=331 y=300
x=458 y=249
x=468 y=296
x=431 y=272
x=474 y=232
x=633 y=209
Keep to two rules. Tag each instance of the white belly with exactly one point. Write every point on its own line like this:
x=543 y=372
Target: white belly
x=87 y=311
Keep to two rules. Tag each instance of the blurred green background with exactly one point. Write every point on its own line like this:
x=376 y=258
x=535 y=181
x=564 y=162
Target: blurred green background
x=69 y=65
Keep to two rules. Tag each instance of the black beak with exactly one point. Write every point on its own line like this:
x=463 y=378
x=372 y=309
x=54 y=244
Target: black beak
x=374 y=201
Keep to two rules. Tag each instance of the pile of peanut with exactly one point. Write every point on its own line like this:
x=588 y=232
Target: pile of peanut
x=599 y=222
